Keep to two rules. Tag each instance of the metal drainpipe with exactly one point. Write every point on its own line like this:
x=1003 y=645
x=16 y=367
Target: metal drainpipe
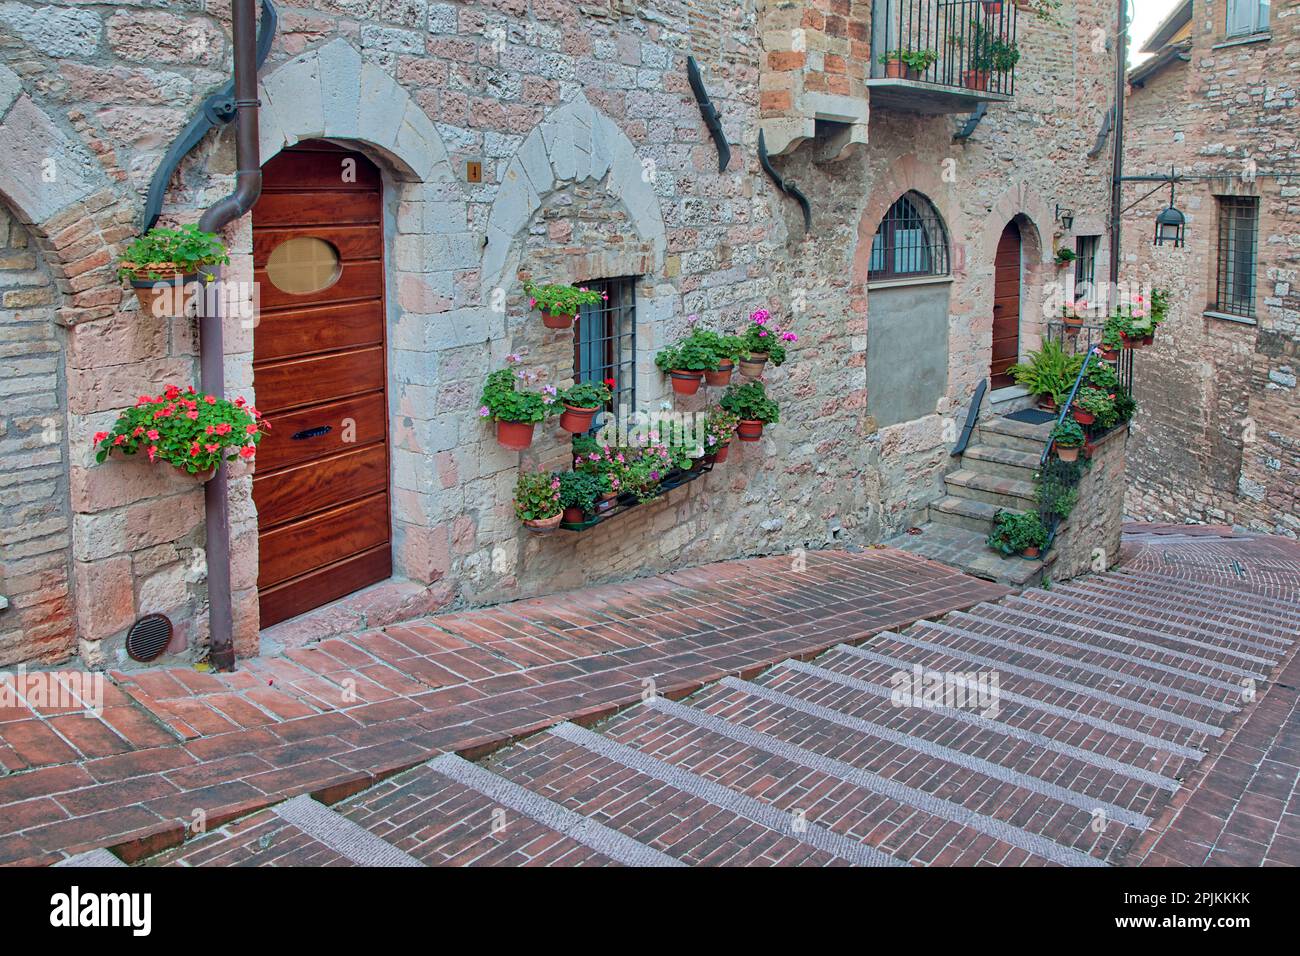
x=212 y=351
x=1117 y=172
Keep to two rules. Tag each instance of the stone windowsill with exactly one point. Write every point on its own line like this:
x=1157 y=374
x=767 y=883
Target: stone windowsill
x=1243 y=41
x=896 y=283
x=1229 y=317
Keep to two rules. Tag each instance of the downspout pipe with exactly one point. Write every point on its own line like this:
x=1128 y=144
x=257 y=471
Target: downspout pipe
x=1117 y=171
x=212 y=350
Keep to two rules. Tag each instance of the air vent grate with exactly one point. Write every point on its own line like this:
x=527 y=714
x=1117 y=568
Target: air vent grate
x=149 y=637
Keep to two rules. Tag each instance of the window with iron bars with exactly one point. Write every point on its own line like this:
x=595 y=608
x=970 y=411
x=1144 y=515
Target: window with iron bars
x=1085 y=267
x=1238 y=241
x=604 y=342
x=910 y=242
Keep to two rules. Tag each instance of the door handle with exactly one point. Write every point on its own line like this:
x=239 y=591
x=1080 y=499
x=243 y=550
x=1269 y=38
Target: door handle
x=312 y=432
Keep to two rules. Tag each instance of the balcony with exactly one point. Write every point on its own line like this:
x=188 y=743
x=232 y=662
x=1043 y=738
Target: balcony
x=942 y=56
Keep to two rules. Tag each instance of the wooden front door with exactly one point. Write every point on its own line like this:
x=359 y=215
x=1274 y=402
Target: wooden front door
x=1006 y=307
x=319 y=370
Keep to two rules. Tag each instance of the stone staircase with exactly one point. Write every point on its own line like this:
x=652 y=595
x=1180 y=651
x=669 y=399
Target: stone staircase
x=1108 y=694
x=996 y=472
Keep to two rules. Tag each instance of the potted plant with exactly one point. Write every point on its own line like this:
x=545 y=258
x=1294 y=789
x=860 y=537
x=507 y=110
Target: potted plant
x=1089 y=403
x=1065 y=256
x=726 y=351
x=989 y=53
x=718 y=429
x=750 y=404
x=1068 y=438
x=537 y=502
x=515 y=411
x=579 y=493
x=1048 y=373
x=559 y=304
x=992 y=7
x=686 y=361
x=1057 y=498
x=1018 y=532
x=764 y=342
x=907 y=64
x=581 y=401
x=895 y=68
x=162 y=262
x=605 y=463
x=189 y=430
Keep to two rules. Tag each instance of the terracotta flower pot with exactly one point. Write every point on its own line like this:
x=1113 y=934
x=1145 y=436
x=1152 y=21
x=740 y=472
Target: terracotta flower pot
x=721 y=454
x=722 y=375
x=1030 y=554
x=577 y=420
x=555 y=320
x=1149 y=339
x=749 y=430
x=992 y=7
x=574 y=516
x=1047 y=403
x=167 y=297
x=1082 y=417
x=895 y=70
x=686 y=383
x=1067 y=453
x=202 y=477
x=1089 y=449
x=975 y=80
x=1071 y=326
x=545 y=525
x=1108 y=354
x=515 y=435
x=753 y=366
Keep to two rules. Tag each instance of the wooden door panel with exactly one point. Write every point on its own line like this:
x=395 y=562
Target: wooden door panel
x=319 y=378
x=352 y=242
x=303 y=546
x=283 y=601
x=318 y=484
x=323 y=328
x=1006 y=307
x=320 y=374
x=279 y=448
x=357 y=280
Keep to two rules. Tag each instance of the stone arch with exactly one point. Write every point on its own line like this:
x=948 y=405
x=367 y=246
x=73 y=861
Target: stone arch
x=908 y=175
x=575 y=143
x=1022 y=204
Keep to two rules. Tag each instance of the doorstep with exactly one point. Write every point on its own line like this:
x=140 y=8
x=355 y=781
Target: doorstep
x=333 y=718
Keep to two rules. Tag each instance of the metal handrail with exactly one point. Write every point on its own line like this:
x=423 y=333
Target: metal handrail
x=972 y=417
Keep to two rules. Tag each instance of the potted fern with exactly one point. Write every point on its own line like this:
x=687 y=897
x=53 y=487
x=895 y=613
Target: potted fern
x=559 y=304
x=160 y=264
x=1048 y=373
x=751 y=406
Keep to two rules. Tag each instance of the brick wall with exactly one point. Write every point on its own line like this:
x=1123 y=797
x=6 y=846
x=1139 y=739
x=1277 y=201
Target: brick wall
x=1089 y=540
x=1217 y=437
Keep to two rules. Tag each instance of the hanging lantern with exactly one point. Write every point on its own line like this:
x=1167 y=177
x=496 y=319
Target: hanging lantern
x=1171 y=224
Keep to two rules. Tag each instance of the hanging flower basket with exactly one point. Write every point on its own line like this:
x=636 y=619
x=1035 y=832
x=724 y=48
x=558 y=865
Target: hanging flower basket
x=185 y=428
x=752 y=367
x=684 y=382
x=577 y=420
x=559 y=304
x=559 y=321
x=515 y=435
x=1082 y=417
x=166 y=268
x=720 y=376
x=537 y=502
x=749 y=430
x=516 y=411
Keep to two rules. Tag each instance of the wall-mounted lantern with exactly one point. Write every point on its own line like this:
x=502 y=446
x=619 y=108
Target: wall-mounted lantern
x=1171 y=224
x=1066 y=216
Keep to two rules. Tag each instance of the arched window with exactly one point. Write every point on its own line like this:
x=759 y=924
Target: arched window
x=910 y=242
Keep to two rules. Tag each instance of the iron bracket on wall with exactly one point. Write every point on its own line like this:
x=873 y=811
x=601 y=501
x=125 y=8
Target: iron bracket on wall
x=972 y=122
x=219 y=109
x=786 y=187
x=712 y=118
x=1104 y=135
x=972 y=417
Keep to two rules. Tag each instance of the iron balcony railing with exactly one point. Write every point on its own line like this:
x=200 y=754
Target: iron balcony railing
x=964 y=44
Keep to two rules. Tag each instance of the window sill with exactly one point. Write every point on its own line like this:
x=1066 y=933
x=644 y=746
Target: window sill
x=918 y=280
x=1243 y=40
x=1229 y=317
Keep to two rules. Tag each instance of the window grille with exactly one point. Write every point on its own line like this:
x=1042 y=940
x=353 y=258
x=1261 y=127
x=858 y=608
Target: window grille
x=604 y=343
x=1085 y=267
x=910 y=242
x=1238 y=240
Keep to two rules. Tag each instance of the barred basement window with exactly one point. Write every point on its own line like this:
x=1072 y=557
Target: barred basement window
x=604 y=344
x=910 y=242
x=1238 y=241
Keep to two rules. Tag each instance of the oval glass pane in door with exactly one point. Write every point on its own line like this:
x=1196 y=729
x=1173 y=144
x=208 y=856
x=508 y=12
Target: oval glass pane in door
x=303 y=265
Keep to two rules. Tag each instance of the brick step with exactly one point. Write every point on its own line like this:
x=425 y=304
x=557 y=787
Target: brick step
x=1002 y=644
x=974 y=516
x=1006 y=462
x=968 y=551
x=1269 y=620
x=992 y=489
x=1204 y=658
x=695 y=820
x=1085 y=721
x=1090 y=603
x=1062 y=641
x=1018 y=436
x=1177 y=611
x=1251 y=598
x=935 y=650
x=853 y=801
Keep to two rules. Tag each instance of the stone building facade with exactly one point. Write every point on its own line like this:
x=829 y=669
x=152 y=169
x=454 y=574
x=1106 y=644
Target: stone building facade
x=1217 y=437
x=595 y=165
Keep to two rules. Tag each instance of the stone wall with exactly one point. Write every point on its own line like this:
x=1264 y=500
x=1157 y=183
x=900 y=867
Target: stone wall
x=1217 y=436
x=595 y=163
x=1089 y=540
